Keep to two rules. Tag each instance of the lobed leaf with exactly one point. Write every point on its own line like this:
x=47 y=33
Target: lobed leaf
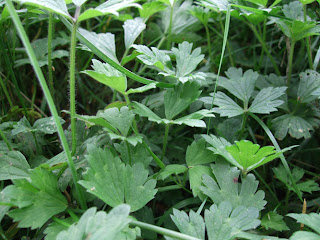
x=309 y=86
x=132 y=29
x=13 y=165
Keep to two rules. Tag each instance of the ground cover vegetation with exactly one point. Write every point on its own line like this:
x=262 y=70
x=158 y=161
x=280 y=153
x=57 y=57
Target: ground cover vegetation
x=161 y=119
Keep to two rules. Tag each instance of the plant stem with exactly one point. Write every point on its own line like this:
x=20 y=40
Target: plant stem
x=165 y=141
x=129 y=153
x=290 y=61
x=244 y=120
x=72 y=87
x=47 y=94
x=307 y=38
x=264 y=46
x=50 y=36
x=4 y=88
x=170 y=28
x=163 y=231
x=5 y=140
x=209 y=43
x=282 y=158
x=227 y=42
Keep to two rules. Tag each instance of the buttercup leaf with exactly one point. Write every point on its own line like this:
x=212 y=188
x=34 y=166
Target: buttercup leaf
x=13 y=165
x=132 y=29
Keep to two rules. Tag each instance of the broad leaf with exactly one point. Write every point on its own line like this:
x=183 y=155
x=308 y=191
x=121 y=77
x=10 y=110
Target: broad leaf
x=226 y=106
x=187 y=60
x=179 y=98
x=13 y=165
x=37 y=200
x=195 y=178
x=273 y=220
x=312 y=220
x=251 y=156
x=132 y=29
x=98 y=225
x=150 y=8
x=308 y=87
x=304 y=235
x=296 y=126
x=120 y=119
x=108 y=75
x=57 y=6
x=266 y=100
x=227 y=187
x=192 y=225
x=224 y=221
x=114 y=182
x=197 y=154
x=105 y=42
x=109 y=7
x=240 y=84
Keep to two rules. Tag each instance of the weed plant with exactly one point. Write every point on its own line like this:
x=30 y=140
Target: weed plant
x=159 y=119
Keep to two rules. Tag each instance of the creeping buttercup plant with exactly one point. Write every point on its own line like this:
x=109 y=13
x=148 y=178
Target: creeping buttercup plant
x=155 y=144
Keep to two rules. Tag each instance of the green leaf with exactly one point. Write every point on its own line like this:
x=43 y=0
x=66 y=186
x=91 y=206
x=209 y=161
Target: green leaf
x=105 y=42
x=192 y=225
x=227 y=187
x=172 y=169
x=218 y=147
x=133 y=140
x=55 y=228
x=3 y=208
x=78 y=2
x=187 y=60
x=216 y=5
x=150 y=8
x=154 y=57
x=201 y=13
x=312 y=220
x=297 y=174
x=251 y=156
x=304 y=2
x=266 y=100
x=13 y=165
x=179 y=98
x=132 y=29
x=273 y=220
x=197 y=154
x=114 y=182
x=224 y=221
x=296 y=126
x=108 y=75
x=109 y=7
x=57 y=6
x=94 y=120
x=240 y=84
x=144 y=111
x=304 y=235
x=226 y=106
x=120 y=119
x=195 y=178
x=141 y=89
x=308 y=86
x=229 y=128
x=37 y=200
x=293 y=10
x=95 y=225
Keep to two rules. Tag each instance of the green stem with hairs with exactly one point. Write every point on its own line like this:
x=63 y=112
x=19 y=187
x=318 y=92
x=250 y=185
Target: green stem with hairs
x=73 y=86
x=48 y=96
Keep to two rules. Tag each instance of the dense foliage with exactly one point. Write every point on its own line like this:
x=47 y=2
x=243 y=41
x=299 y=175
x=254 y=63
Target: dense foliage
x=159 y=119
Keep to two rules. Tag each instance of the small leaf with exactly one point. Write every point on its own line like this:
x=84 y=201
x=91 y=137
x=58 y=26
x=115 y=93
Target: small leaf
x=224 y=221
x=197 y=154
x=78 y=3
x=108 y=75
x=192 y=225
x=296 y=126
x=187 y=60
x=227 y=187
x=226 y=106
x=105 y=42
x=273 y=220
x=144 y=111
x=308 y=86
x=132 y=29
x=195 y=178
x=46 y=125
x=57 y=6
x=37 y=200
x=13 y=165
x=312 y=220
x=172 y=169
x=133 y=140
x=266 y=100
x=150 y=8
x=193 y=119
x=141 y=89
x=114 y=182
x=98 y=225
x=109 y=7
